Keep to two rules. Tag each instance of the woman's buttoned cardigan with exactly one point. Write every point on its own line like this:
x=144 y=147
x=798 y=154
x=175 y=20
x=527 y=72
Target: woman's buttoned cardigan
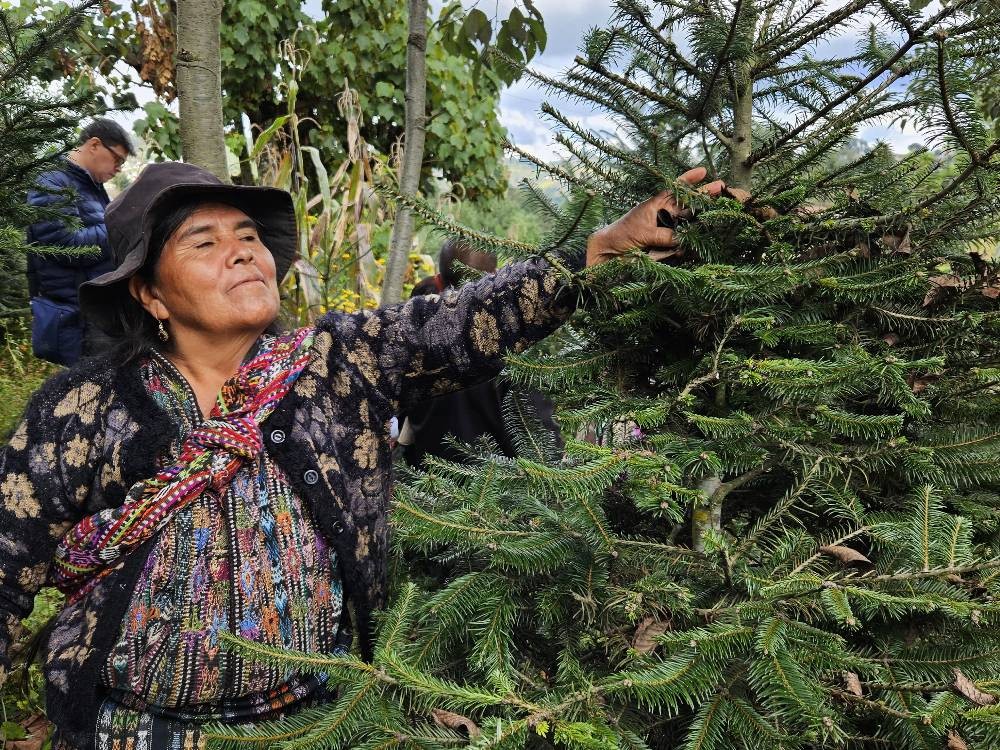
x=93 y=431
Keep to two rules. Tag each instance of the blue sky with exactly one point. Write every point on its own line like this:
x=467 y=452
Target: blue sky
x=566 y=22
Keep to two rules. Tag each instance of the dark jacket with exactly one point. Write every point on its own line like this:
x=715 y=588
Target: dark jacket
x=468 y=415
x=92 y=431
x=58 y=276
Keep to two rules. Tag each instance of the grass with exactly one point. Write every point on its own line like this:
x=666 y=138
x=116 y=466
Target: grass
x=20 y=373
x=22 y=697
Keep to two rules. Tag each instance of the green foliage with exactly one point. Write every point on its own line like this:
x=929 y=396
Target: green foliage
x=22 y=698
x=503 y=217
x=470 y=34
x=20 y=372
x=360 y=42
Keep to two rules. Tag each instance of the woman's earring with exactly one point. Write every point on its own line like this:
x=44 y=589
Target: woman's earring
x=162 y=332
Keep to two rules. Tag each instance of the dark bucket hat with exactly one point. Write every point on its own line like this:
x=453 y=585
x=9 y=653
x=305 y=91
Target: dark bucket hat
x=131 y=217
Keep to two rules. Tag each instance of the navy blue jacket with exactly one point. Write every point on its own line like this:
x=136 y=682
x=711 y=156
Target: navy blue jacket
x=58 y=276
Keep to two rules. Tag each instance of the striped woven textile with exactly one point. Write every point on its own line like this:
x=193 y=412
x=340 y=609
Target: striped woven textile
x=210 y=457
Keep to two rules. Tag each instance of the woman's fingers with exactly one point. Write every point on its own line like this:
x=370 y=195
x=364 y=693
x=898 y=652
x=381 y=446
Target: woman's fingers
x=660 y=237
x=667 y=201
x=650 y=224
x=694 y=176
x=713 y=188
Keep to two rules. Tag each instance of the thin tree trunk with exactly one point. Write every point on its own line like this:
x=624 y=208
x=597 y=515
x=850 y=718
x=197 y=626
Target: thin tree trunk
x=741 y=175
x=707 y=514
x=413 y=151
x=199 y=85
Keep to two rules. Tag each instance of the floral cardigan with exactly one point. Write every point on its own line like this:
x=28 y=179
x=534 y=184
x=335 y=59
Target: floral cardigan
x=92 y=431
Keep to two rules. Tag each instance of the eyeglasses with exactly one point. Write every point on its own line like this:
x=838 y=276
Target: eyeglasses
x=119 y=159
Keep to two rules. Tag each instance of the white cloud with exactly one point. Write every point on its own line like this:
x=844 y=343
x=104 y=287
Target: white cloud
x=899 y=139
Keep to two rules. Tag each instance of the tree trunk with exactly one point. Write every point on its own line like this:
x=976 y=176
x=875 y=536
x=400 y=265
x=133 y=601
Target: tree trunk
x=741 y=175
x=413 y=151
x=199 y=86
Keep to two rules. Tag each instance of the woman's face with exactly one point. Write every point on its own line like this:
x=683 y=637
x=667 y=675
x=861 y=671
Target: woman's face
x=214 y=276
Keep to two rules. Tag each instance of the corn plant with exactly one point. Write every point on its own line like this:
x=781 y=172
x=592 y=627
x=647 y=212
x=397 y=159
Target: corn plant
x=342 y=221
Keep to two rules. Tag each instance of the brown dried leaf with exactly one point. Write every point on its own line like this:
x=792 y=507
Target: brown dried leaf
x=919 y=384
x=157 y=47
x=955 y=741
x=967 y=688
x=853 y=684
x=737 y=194
x=938 y=286
x=846 y=555
x=659 y=255
x=764 y=213
x=319 y=229
x=38 y=728
x=946 y=280
x=898 y=242
x=455 y=721
x=863 y=249
x=645 y=636
x=991 y=291
x=891 y=339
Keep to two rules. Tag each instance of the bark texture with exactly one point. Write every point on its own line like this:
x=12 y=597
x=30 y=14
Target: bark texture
x=413 y=151
x=199 y=85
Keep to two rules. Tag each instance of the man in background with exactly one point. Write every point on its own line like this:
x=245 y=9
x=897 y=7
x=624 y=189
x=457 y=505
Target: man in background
x=472 y=412
x=58 y=333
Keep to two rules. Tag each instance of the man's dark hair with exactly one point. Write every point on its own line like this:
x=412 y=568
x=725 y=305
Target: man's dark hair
x=109 y=132
x=425 y=287
x=455 y=253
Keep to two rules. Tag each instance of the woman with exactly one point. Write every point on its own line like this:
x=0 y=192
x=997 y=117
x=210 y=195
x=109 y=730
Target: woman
x=212 y=475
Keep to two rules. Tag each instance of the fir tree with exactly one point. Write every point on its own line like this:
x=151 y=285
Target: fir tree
x=786 y=533
x=35 y=131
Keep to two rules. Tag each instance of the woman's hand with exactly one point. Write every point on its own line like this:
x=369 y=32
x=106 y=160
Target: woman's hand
x=638 y=228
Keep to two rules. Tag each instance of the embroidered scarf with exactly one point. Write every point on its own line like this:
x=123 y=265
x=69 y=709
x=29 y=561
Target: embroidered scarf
x=209 y=458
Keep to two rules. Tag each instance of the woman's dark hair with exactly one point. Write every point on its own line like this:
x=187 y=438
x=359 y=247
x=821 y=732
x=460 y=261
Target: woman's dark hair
x=136 y=330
